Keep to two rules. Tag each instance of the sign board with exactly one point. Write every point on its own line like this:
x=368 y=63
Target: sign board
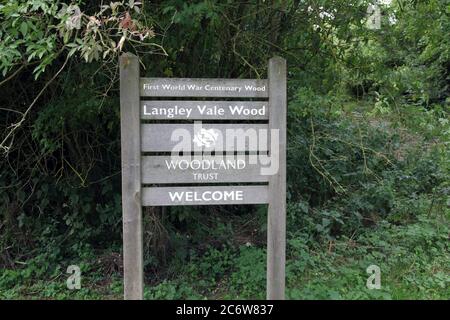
x=204 y=110
x=200 y=169
x=202 y=142
x=211 y=195
x=208 y=137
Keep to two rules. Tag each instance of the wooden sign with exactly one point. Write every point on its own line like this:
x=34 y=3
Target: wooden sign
x=169 y=196
x=204 y=110
x=222 y=88
x=171 y=158
x=202 y=170
x=179 y=137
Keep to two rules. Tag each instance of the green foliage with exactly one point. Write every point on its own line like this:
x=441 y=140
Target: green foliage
x=412 y=258
x=406 y=62
x=249 y=278
x=368 y=132
x=170 y=291
x=38 y=31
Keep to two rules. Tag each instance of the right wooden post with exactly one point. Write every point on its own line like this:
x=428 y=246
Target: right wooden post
x=276 y=222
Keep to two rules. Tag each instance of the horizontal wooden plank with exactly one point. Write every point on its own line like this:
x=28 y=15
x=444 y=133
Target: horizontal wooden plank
x=199 y=110
x=191 y=87
x=210 y=195
x=168 y=137
x=201 y=169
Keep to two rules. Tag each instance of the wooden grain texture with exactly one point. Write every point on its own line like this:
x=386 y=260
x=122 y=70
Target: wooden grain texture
x=165 y=137
x=213 y=169
x=190 y=87
x=276 y=226
x=210 y=195
x=204 y=110
x=131 y=177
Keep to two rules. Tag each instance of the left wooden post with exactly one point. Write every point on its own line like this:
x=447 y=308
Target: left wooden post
x=130 y=129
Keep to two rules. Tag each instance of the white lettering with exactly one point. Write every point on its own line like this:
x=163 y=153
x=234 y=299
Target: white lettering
x=206 y=196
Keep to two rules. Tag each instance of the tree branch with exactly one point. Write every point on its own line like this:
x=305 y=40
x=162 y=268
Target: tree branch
x=15 y=126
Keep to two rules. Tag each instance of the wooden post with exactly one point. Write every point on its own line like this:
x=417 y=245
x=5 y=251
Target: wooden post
x=131 y=177
x=276 y=224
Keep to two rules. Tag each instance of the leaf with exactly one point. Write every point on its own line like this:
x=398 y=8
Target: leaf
x=72 y=51
x=127 y=22
x=24 y=28
x=121 y=42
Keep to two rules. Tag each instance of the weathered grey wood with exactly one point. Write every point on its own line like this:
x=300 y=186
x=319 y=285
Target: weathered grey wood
x=157 y=137
x=138 y=137
x=162 y=196
x=131 y=177
x=212 y=169
x=204 y=110
x=276 y=225
x=185 y=87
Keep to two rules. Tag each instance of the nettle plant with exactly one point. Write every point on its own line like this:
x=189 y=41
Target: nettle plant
x=37 y=32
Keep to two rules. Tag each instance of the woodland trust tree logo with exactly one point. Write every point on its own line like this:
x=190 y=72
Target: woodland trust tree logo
x=206 y=138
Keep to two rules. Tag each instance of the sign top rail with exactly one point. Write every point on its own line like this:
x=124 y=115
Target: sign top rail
x=204 y=87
